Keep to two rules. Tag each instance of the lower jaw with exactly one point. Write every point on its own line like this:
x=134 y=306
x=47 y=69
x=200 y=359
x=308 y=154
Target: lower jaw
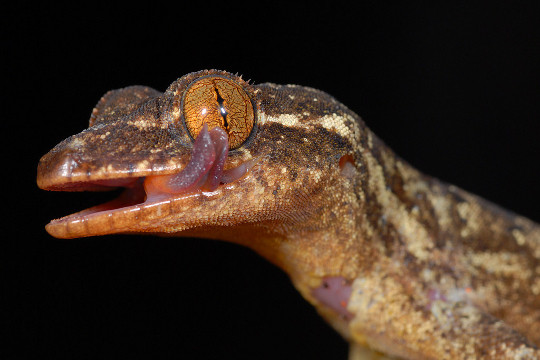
x=139 y=208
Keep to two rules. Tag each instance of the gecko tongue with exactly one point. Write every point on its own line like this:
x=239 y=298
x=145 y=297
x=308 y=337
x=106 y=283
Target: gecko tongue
x=204 y=170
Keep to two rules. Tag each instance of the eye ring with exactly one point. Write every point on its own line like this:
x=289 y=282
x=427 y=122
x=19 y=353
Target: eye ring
x=219 y=100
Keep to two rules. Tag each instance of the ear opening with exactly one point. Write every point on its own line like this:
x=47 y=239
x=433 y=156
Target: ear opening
x=346 y=165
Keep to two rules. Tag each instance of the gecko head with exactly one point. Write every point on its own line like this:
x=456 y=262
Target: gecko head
x=213 y=156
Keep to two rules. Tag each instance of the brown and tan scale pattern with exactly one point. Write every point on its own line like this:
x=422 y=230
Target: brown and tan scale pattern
x=436 y=272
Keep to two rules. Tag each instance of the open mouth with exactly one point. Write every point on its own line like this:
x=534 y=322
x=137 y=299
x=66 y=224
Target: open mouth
x=144 y=198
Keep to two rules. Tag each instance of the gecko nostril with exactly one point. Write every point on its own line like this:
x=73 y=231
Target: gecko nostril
x=67 y=166
x=57 y=165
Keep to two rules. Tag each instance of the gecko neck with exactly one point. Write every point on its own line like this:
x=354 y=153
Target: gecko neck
x=406 y=209
x=391 y=211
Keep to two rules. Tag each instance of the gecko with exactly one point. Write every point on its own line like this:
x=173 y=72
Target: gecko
x=398 y=262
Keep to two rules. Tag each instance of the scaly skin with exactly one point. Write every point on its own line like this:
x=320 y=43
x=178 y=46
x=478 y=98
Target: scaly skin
x=394 y=260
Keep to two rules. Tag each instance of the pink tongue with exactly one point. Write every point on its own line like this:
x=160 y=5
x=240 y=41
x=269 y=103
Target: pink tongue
x=220 y=140
x=204 y=170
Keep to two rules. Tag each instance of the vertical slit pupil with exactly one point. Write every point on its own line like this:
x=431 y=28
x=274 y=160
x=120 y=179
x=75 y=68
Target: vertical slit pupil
x=222 y=109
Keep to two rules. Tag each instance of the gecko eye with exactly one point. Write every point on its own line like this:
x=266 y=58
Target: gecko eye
x=218 y=102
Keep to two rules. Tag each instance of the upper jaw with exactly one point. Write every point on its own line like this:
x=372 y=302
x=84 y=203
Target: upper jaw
x=66 y=170
x=108 y=153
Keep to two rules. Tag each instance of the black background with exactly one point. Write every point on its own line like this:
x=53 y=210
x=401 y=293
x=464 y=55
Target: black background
x=452 y=88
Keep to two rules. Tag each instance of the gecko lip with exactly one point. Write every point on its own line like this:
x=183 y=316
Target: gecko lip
x=203 y=173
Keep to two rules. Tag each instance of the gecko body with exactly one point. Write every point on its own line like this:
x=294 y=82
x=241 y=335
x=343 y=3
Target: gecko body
x=394 y=260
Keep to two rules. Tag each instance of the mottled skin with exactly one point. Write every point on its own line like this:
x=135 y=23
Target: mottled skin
x=436 y=273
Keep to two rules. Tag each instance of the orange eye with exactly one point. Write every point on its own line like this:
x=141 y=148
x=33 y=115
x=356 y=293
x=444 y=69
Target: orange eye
x=218 y=101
